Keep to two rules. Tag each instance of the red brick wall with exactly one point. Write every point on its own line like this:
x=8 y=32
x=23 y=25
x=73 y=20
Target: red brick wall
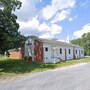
x=15 y=54
x=18 y=54
x=22 y=52
x=38 y=51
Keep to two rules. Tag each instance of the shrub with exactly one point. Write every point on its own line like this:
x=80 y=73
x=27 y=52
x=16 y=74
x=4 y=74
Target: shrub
x=28 y=58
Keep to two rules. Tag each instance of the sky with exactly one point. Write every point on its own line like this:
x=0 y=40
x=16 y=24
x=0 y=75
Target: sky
x=54 y=18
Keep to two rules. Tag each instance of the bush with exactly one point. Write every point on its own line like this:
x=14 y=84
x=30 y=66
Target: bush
x=28 y=58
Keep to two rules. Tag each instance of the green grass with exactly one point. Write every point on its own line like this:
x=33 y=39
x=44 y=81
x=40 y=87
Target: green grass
x=1 y=55
x=13 y=67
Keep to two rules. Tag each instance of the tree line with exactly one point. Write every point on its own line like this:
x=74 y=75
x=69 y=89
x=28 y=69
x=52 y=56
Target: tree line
x=84 y=42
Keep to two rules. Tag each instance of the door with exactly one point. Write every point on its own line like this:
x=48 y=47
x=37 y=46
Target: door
x=79 y=54
x=65 y=54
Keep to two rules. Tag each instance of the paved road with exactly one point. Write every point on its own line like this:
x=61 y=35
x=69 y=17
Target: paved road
x=68 y=78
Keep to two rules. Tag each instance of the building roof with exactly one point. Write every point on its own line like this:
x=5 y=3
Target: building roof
x=56 y=43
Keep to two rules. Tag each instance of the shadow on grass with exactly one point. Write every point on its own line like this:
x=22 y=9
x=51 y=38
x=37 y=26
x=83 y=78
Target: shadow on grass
x=17 y=66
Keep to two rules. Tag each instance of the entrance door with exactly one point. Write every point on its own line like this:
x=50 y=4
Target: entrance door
x=79 y=54
x=65 y=54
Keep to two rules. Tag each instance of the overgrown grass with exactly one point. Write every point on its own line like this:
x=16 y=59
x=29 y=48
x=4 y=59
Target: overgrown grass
x=1 y=55
x=11 y=67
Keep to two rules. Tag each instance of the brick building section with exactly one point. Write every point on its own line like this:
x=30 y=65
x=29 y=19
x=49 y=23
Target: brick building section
x=38 y=51
x=17 y=54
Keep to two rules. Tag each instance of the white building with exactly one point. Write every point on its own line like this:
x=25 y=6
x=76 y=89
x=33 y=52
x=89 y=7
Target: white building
x=51 y=51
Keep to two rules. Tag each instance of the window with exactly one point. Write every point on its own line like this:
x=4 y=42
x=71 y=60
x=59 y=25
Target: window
x=60 y=50
x=76 y=51
x=46 y=49
x=69 y=51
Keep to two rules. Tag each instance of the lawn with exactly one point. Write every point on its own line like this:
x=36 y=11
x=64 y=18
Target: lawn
x=13 y=67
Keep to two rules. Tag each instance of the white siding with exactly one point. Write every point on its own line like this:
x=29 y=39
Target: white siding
x=47 y=54
x=77 y=54
x=69 y=56
x=57 y=55
x=26 y=49
x=81 y=52
x=53 y=54
x=57 y=52
x=62 y=56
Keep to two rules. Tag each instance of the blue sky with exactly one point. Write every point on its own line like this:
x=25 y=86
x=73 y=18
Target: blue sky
x=54 y=18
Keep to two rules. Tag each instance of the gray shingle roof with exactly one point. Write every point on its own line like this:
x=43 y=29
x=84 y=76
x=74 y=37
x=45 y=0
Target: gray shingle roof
x=56 y=43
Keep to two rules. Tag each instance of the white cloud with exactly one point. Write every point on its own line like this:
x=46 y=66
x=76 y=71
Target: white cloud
x=61 y=16
x=44 y=30
x=58 y=10
x=85 y=29
x=27 y=11
x=46 y=36
x=55 y=29
x=48 y=12
x=32 y=24
x=72 y=18
x=44 y=27
x=40 y=0
x=51 y=31
x=1 y=8
x=23 y=2
x=56 y=5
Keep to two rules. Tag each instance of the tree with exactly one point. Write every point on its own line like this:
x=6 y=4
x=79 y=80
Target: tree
x=9 y=35
x=84 y=41
x=33 y=36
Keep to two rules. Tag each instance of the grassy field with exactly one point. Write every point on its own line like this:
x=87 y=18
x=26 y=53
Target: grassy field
x=13 y=67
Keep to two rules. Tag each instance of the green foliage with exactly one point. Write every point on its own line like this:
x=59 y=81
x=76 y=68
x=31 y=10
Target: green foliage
x=9 y=35
x=84 y=42
x=33 y=36
x=10 y=5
